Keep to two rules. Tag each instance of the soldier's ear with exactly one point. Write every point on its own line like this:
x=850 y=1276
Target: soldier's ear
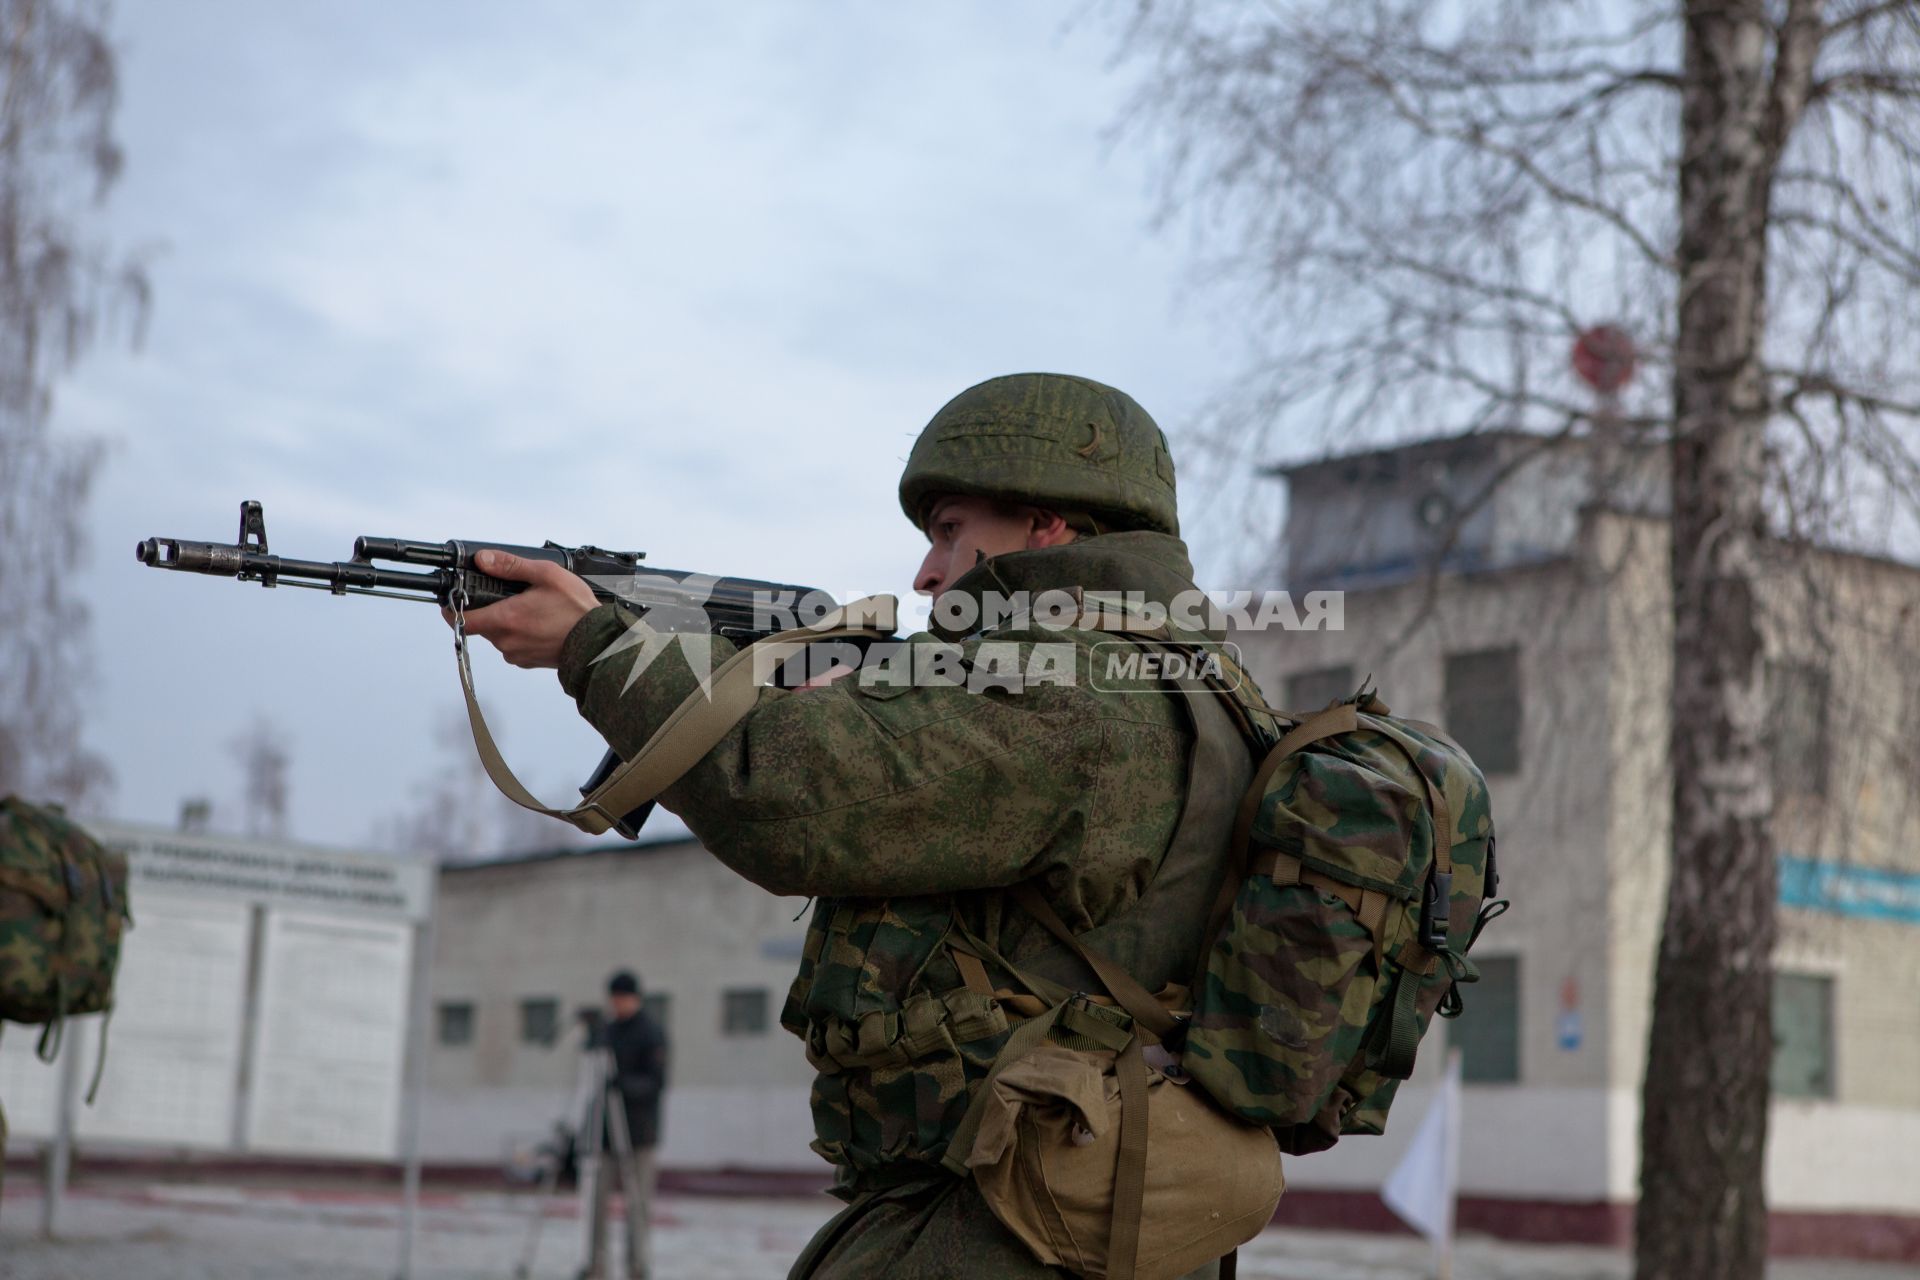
x=1049 y=529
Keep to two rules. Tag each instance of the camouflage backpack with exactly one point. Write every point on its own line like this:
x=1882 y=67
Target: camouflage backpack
x=1369 y=872
x=63 y=912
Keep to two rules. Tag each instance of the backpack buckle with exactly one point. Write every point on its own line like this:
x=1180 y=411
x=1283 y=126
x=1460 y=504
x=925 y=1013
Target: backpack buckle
x=1435 y=906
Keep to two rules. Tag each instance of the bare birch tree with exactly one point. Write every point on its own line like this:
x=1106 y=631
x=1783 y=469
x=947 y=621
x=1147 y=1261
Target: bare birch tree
x=1432 y=201
x=58 y=158
x=265 y=757
x=458 y=815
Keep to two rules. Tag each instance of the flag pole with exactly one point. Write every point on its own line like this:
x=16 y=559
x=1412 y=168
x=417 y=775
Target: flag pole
x=1450 y=1099
x=1422 y=1189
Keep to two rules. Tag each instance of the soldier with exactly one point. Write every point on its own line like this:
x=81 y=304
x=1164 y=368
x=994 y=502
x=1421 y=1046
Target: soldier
x=910 y=810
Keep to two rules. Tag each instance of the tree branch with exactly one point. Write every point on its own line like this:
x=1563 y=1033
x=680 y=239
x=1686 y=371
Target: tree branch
x=1861 y=17
x=1867 y=81
x=1798 y=44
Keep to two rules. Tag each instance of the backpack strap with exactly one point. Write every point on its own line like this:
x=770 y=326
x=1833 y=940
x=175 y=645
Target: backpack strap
x=1335 y=720
x=1331 y=723
x=1369 y=905
x=1130 y=1167
x=1147 y=1012
x=1423 y=952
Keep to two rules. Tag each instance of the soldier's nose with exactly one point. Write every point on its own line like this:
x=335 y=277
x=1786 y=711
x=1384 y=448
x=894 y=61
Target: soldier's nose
x=928 y=580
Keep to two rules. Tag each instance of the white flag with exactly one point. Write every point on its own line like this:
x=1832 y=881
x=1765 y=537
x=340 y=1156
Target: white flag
x=1422 y=1187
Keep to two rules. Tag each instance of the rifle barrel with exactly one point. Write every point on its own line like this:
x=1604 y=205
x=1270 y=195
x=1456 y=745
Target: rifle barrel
x=226 y=560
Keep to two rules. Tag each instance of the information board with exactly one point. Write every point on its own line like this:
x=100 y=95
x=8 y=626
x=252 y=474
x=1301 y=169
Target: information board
x=208 y=868
x=173 y=1047
x=330 y=1040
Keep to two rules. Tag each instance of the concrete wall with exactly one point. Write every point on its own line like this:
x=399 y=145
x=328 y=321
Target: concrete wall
x=1856 y=619
x=1545 y=1136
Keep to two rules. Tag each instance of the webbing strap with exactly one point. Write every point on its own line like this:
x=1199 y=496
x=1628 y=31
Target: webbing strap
x=1025 y=1038
x=972 y=972
x=693 y=728
x=1403 y=1028
x=100 y=1059
x=1147 y=1012
x=1369 y=905
x=34 y=887
x=1130 y=1170
x=1331 y=723
x=963 y=941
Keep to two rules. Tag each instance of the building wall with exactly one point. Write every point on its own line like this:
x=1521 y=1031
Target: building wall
x=1855 y=619
x=555 y=928
x=1545 y=1136
x=1584 y=829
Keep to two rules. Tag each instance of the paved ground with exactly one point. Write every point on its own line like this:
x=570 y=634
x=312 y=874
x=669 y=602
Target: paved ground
x=195 y=1232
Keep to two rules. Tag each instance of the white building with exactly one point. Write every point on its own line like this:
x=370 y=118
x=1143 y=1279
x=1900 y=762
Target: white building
x=1543 y=645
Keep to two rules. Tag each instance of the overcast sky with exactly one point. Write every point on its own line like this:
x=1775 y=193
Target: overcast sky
x=684 y=279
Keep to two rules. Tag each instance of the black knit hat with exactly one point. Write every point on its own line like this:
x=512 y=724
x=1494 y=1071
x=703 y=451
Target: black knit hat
x=623 y=983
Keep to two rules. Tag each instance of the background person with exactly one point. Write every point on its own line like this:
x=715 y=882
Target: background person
x=636 y=1077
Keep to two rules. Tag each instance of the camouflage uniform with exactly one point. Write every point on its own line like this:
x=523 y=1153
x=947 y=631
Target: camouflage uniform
x=907 y=811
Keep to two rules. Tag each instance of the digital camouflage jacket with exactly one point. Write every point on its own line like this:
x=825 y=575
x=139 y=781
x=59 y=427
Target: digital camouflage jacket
x=906 y=811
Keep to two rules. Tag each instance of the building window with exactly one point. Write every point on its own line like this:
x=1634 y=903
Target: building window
x=1483 y=707
x=1312 y=690
x=743 y=1011
x=539 y=1021
x=1487 y=1032
x=658 y=1005
x=1802 y=1035
x=456 y=1022
x=1798 y=692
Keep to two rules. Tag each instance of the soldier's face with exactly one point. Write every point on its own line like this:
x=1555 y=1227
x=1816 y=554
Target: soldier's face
x=622 y=1005
x=961 y=530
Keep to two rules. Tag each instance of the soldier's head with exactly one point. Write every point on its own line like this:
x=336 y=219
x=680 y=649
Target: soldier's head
x=961 y=528
x=1033 y=460
x=623 y=994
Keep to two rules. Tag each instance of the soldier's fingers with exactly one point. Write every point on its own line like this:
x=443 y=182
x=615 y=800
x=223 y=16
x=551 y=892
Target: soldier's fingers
x=503 y=564
x=492 y=622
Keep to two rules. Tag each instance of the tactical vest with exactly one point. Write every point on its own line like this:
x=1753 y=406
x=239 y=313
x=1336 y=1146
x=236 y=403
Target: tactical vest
x=900 y=1017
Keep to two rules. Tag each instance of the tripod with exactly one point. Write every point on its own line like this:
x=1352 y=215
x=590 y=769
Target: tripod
x=606 y=1114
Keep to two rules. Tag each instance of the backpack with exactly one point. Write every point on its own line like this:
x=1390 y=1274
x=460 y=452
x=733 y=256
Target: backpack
x=1368 y=872
x=1364 y=861
x=63 y=912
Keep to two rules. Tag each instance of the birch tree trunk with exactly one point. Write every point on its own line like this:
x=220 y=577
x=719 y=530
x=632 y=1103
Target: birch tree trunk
x=1435 y=203
x=1703 y=1212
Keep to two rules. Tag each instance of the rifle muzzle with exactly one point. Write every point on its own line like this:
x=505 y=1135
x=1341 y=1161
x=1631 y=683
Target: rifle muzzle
x=193 y=557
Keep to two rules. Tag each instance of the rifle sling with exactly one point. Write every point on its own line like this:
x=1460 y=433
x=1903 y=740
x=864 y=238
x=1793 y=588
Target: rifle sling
x=693 y=728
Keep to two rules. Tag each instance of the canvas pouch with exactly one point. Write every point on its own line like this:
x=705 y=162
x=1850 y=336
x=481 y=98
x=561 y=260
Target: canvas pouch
x=1046 y=1151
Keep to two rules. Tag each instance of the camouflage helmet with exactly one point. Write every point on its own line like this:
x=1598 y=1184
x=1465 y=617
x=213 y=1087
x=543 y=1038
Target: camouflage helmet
x=1065 y=443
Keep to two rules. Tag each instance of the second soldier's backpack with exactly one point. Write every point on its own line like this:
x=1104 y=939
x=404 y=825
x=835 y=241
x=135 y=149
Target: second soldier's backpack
x=1367 y=871
x=63 y=912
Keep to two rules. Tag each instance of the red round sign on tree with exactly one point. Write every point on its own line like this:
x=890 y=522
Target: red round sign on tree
x=1604 y=358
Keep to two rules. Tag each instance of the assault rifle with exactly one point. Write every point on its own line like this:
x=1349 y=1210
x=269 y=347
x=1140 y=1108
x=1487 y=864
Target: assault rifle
x=451 y=580
x=741 y=609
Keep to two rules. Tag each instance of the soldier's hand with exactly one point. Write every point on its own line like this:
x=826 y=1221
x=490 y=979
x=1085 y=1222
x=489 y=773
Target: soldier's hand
x=529 y=628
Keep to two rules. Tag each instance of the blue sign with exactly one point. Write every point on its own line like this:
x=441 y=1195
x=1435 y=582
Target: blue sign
x=1566 y=1030
x=1875 y=893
